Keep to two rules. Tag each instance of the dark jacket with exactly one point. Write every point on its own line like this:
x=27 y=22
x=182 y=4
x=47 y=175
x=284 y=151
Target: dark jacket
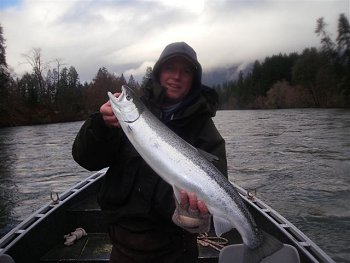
x=131 y=190
x=133 y=196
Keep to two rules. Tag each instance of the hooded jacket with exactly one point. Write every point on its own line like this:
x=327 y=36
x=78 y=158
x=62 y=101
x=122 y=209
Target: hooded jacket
x=183 y=50
x=132 y=194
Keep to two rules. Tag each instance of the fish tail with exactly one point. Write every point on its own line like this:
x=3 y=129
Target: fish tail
x=269 y=246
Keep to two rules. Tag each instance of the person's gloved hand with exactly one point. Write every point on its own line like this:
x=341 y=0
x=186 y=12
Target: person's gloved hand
x=191 y=214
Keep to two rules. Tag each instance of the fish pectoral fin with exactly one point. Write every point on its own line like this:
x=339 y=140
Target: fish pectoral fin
x=221 y=225
x=177 y=194
x=210 y=157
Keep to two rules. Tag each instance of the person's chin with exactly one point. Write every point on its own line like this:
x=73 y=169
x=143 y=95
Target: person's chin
x=171 y=98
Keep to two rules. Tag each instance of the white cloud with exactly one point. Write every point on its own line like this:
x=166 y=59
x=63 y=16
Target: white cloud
x=139 y=71
x=123 y=35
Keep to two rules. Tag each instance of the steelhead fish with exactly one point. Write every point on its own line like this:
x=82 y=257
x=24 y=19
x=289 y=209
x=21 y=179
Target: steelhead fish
x=185 y=168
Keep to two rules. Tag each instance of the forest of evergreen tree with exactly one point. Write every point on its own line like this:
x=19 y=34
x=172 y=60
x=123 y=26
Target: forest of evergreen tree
x=317 y=77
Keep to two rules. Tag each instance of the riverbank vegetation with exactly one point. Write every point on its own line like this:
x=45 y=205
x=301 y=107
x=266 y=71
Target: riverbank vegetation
x=317 y=77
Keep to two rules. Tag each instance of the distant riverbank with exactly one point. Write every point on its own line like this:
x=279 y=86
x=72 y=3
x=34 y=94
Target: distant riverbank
x=40 y=115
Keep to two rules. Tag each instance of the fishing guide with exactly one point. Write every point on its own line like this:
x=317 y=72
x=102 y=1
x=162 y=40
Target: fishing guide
x=154 y=149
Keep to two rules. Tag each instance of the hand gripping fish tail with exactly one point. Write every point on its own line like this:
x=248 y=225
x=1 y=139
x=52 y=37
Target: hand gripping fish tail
x=163 y=150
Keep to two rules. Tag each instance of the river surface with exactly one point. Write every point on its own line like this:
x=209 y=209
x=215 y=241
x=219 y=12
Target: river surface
x=297 y=160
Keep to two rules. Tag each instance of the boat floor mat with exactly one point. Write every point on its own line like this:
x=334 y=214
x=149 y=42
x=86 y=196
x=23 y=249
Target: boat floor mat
x=95 y=247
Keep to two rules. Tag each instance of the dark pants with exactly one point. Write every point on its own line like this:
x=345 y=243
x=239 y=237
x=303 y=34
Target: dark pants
x=152 y=246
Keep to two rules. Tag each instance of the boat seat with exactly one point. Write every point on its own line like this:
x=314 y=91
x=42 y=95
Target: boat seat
x=287 y=254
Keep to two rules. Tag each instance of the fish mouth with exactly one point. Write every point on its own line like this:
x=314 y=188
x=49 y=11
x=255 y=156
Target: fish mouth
x=123 y=106
x=117 y=101
x=123 y=94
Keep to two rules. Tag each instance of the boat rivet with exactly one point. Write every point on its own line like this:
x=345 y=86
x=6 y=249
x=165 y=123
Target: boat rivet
x=54 y=197
x=250 y=195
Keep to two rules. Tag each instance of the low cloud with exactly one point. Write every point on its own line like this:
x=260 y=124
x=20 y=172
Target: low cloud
x=127 y=36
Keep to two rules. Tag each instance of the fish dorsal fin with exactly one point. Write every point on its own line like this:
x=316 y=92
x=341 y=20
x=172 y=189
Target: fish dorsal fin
x=210 y=157
x=221 y=225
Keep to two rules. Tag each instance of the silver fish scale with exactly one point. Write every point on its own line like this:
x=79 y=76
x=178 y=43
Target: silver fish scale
x=181 y=165
x=210 y=170
x=194 y=155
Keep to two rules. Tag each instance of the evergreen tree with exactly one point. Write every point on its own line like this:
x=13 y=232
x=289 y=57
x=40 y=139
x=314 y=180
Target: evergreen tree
x=308 y=71
x=50 y=87
x=146 y=77
x=28 y=87
x=343 y=48
x=122 y=80
x=132 y=82
x=343 y=40
x=73 y=78
x=328 y=46
x=102 y=83
x=4 y=73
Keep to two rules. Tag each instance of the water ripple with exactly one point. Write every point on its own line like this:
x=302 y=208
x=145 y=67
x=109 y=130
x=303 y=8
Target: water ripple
x=297 y=160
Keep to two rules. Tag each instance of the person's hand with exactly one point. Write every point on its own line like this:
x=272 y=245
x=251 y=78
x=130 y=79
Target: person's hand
x=108 y=115
x=191 y=214
x=190 y=203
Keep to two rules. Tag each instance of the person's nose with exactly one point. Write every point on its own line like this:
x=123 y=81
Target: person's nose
x=177 y=73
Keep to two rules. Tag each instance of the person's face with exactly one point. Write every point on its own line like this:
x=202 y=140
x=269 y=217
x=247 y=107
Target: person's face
x=176 y=76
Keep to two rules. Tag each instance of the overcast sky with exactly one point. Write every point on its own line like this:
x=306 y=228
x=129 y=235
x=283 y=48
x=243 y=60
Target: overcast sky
x=126 y=36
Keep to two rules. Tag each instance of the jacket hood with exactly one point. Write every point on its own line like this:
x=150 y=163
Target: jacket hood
x=186 y=51
x=179 y=49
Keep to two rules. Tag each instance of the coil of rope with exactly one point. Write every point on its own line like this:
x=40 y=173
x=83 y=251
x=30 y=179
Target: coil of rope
x=215 y=242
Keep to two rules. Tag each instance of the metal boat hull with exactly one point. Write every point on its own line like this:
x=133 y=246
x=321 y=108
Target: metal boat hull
x=40 y=237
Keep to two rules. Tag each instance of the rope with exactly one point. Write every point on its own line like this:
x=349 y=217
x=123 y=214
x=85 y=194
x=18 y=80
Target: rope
x=74 y=236
x=215 y=242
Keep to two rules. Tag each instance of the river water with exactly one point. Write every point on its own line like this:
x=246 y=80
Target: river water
x=297 y=160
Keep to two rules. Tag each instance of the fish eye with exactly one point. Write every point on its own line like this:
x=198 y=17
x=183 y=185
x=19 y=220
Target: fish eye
x=128 y=97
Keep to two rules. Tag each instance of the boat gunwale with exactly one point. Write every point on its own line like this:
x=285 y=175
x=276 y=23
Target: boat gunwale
x=304 y=244
x=19 y=231
x=297 y=238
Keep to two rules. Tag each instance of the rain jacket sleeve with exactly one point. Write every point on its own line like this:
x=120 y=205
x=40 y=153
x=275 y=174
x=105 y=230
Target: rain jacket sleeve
x=211 y=141
x=96 y=145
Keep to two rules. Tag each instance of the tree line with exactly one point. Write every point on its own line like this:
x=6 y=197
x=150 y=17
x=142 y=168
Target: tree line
x=315 y=78
x=318 y=77
x=52 y=94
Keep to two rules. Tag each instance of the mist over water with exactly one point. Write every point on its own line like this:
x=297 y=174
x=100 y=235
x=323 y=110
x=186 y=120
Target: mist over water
x=298 y=161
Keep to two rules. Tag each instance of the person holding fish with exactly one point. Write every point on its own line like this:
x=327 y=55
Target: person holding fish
x=146 y=222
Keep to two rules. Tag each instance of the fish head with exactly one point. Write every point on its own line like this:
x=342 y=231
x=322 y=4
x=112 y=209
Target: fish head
x=127 y=107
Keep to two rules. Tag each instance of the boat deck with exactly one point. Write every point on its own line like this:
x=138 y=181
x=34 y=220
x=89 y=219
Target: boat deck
x=40 y=238
x=96 y=246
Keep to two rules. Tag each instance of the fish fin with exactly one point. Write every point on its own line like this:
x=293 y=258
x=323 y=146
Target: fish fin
x=210 y=157
x=177 y=194
x=221 y=225
x=269 y=246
